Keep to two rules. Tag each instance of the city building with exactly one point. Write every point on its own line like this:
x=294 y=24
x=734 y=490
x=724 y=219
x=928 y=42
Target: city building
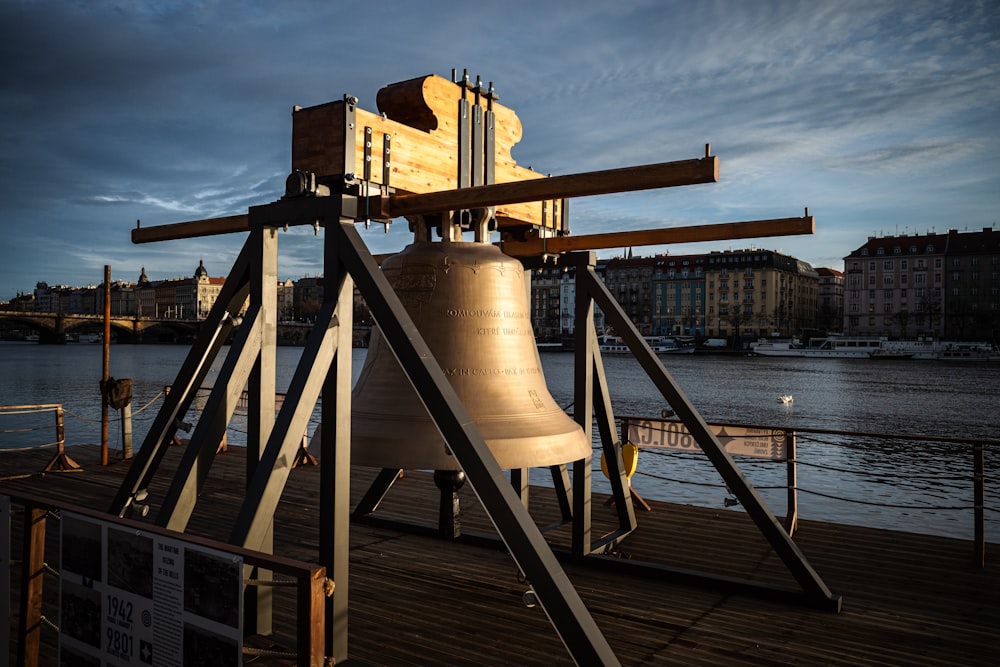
x=759 y=293
x=679 y=295
x=545 y=299
x=830 y=317
x=942 y=286
x=630 y=281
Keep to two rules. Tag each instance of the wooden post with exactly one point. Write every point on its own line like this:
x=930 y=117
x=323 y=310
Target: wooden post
x=61 y=461
x=126 y=417
x=311 y=602
x=32 y=578
x=107 y=356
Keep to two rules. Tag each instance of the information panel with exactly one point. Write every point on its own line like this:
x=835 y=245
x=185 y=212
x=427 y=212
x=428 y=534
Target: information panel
x=763 y=443
x=128 y=597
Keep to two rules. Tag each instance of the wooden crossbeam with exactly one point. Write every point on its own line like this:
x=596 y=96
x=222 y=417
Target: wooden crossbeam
x=625 y=179
x=643 y=237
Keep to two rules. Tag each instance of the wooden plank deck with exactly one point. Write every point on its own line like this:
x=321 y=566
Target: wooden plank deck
x=908 y=599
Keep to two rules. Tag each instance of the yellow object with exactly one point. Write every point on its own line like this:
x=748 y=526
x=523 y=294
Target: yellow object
x=630 y=456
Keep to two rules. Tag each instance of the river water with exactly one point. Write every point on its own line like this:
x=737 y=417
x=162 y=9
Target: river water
x=905 y=485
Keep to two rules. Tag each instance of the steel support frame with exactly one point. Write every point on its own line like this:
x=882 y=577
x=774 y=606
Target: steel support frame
x=570 y=618
x=211 y=337
x=589 y=289
x=590 y=395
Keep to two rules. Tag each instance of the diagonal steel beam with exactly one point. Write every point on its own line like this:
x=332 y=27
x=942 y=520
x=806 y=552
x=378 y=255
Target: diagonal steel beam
x=264 y=489
x=211 y=337
x=193 y=468
x=770 y=528
x=570 y=618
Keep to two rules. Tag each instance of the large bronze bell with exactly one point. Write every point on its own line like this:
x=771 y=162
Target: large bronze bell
x=469 y=301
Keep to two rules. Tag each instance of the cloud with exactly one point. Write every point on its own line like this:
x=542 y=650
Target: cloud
x=871 y=113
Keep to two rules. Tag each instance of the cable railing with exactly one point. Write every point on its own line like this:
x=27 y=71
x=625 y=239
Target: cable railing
x=668 y=438
x=60 y=461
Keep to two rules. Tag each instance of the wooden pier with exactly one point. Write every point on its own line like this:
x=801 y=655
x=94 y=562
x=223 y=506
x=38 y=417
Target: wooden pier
x=417 y=599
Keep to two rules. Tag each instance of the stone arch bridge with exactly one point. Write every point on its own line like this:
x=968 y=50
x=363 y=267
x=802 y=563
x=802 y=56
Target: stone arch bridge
x=53 y=327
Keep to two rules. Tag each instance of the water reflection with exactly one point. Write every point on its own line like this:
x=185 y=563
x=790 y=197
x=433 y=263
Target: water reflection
x=840 y=477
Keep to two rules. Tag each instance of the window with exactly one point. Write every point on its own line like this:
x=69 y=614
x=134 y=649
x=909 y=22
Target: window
x=880 y=251
x=887 y=308
x=887 y=294
x=887 y=265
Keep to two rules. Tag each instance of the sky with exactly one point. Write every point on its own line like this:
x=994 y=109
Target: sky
x=880 y=117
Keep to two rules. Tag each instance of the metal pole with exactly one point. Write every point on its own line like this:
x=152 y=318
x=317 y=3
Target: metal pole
x=107 y=358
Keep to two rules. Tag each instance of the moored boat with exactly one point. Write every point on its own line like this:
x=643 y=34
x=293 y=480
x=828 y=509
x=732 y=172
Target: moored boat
x=835 y=347
x=846 y=347
x=658 y=344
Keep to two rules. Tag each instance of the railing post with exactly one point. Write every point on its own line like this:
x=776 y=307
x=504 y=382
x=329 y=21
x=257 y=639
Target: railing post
x=979 y=497
x=311 y=613
x=792 y=513
x=61 y=461
x=29 y=625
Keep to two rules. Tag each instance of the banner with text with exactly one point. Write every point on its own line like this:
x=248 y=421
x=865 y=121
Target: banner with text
x=762 y=443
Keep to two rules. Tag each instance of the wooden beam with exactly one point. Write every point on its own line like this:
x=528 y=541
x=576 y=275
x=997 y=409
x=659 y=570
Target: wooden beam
x=187 y=230
x=625 y=179
x=645 y=237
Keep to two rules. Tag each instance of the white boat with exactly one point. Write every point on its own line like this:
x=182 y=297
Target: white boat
x=834 y=347
x=786 y=399
x=846 y=347
x=658 y=344
x=945 y=350
x=968 y=352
